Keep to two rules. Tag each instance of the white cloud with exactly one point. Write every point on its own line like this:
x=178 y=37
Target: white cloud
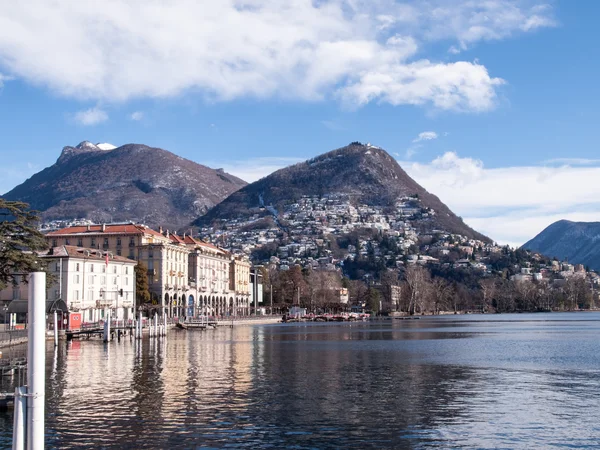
x=254 y=169
x=137 y=115
x=510 y=204
x=92 y=116
x=411 y=151
x=4 y=78
x=426 y=136
x=355 y=51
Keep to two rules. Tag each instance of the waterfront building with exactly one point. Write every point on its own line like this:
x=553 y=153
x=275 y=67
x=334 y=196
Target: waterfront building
x=164 y=256
x=186 y=276
x=239 y=285
x=208 y=278
x=86 y=281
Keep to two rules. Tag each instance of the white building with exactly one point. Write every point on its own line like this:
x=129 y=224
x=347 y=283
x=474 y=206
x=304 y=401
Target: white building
x=92 y=282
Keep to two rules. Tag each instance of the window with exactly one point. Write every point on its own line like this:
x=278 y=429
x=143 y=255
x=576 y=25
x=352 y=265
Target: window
x=126 y=270
x=150 y=253
x=114 y=269
x=76 y=279
x=91 y=279
x=126 y=281
x=103 y=280
x=91 y=268
x=90 y=295
x=57 y=267
x=54 y=243
x=76 y=295
x=77 y=267
x=66 y=242
x=105 y=242
x=131 y=241
x=103 y=268
x=79 y=242
x=93 y=242
x=115 y=280
x=118 y=241
x=118 y=251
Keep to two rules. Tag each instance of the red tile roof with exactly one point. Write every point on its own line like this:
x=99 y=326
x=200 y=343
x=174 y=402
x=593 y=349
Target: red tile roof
x=108 y=229
x=200 y=243
x=71 y=251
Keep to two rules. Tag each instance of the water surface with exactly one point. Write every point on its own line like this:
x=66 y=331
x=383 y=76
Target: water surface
x=489 y=381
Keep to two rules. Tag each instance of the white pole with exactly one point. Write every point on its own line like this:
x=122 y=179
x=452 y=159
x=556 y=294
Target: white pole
x=36 y=360
x=140 y=328
x=18 y=442
x=55 y=329
x=165 y=323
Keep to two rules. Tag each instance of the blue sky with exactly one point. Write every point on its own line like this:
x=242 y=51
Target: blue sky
x=503 y=93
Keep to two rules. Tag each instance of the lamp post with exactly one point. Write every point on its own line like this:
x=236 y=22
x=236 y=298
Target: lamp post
x=5 y=312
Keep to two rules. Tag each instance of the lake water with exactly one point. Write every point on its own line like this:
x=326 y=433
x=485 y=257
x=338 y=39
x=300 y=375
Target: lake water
x=489 y=381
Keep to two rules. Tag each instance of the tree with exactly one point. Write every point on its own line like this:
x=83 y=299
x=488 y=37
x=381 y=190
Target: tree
x=20 y=241
x=142 y=293
x=488 y=289
x=442 y=292
x=373 y=298
x=418 y=281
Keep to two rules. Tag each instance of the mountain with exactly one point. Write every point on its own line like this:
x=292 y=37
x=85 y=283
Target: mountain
x=578 y=242
x=133 y=182
x=362 y=173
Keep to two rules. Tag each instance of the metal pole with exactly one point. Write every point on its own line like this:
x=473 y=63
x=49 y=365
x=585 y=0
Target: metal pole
x=271 y=291
x=18 y=442
x=55 y=329
x=255 y=292
x=36 y=360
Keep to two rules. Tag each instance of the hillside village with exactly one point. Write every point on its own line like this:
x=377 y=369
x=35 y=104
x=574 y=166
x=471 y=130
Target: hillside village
x=330 y=233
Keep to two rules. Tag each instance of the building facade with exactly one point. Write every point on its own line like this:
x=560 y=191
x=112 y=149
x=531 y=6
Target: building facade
x=187 y=277
x=209 y=279
x=87 y=281
x=164 y=256
x=239 y=284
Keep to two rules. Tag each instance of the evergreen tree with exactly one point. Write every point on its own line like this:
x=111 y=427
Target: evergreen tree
x=19 y=241
x=142 y=293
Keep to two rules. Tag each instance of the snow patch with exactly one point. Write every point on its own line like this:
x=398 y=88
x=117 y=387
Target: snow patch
x=106 y=146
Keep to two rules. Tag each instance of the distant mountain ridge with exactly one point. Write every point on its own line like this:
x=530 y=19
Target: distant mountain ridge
x=133 y=182
x=365 y=173
x=578 y=242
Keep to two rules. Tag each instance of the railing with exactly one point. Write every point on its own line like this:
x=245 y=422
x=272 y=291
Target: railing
x=12 y=335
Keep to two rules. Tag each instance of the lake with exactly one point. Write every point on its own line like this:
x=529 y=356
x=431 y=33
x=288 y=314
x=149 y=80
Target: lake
x=469 y=381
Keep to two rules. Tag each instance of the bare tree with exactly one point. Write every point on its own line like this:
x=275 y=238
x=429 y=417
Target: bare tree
x=441 y=293
x=418 y=282
x=488 y=290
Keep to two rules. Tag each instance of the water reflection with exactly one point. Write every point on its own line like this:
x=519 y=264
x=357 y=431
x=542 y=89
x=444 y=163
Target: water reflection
x=445 y=382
